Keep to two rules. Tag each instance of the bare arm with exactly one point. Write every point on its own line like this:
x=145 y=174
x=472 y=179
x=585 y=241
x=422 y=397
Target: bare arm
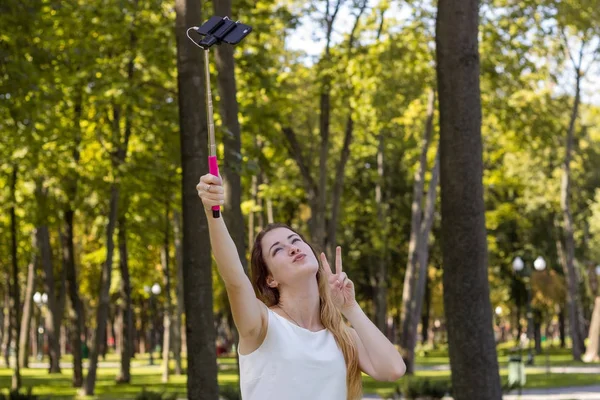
x=249 y=313
x=377 y=356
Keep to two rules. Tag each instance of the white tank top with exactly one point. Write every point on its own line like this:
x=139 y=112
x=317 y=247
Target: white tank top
x=293 y=363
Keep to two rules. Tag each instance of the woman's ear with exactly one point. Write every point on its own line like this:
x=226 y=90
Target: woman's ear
x=272 y=283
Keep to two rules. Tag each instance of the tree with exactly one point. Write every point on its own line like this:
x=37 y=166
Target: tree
x=197 y=265
x=416 y=268
x=467 y=305
x=15 y=295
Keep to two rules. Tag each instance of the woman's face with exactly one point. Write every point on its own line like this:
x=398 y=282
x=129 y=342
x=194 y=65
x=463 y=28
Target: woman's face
x=287 y=256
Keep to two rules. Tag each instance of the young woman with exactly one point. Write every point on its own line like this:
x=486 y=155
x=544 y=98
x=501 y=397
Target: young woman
x=294 y=343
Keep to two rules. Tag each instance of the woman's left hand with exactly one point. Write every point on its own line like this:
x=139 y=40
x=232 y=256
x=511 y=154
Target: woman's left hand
x=341 y=287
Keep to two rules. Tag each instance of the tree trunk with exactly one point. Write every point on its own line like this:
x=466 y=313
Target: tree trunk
x=254 y=196
x=7 y=325
x=178 y=315
x=16 y=301
x=52 y=318
x=197 y=262
x=475 y=374
x=410 y=277
x=232 y=163
x=232 y=143
x=165 y=258
x=562 y=328
x=426 y=313
x=68 y=251
x=380 y=284
x=338 y=186
x=537 y=331
x=568 y=229
x=103 y=298
x=27 y=308
x=118 y=157
x=592 y=353
x=125 y=309
x=423 y=263
x=78 y=320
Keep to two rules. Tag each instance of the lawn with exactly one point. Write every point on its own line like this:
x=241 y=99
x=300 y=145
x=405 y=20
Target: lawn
x=58 y=386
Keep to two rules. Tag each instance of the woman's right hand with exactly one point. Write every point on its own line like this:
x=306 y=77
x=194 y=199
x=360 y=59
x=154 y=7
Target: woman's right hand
x=210 y=190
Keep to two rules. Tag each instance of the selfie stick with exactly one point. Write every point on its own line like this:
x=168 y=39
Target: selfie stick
x=215 y=31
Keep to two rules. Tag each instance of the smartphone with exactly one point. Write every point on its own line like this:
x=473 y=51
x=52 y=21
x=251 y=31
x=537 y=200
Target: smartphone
x=222 y=29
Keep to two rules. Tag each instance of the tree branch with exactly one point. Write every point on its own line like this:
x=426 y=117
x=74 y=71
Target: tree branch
x=296 y=152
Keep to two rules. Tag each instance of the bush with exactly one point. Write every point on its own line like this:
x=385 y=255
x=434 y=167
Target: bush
x=229 y=393
x=17 y=395
x=150 y=395
x=425 y=389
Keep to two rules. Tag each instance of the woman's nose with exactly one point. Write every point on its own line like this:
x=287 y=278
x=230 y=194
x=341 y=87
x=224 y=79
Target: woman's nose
x=293 y=249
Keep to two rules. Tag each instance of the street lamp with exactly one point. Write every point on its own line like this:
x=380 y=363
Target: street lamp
x=153 y=291
x=522 y=269
x=40 y=301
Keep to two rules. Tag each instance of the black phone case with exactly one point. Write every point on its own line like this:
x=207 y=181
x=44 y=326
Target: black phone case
x=237 y=34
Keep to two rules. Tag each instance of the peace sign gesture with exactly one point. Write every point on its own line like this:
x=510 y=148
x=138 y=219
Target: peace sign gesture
x=342 y=288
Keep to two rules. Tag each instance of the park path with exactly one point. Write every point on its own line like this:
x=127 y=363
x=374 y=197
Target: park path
x=564 y=393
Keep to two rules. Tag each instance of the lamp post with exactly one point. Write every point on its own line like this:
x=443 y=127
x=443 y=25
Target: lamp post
x=524 y=271
x=153 y=291
x=40 y=300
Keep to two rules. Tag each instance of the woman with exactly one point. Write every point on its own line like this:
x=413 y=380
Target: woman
x=294 y=344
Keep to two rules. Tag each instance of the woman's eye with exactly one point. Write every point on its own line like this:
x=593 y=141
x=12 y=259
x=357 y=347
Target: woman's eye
x=295 y=240
x=276 y=251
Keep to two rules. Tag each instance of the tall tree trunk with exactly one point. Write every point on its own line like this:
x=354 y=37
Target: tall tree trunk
x=78 y=320
x=125 y=309
x=537 y=331
x=118 y=156
x=254 y=196
x=68 y=250
x=338 y=185
x=426 y=313
x=7 y=325
x=232 y=142
x=16 y=301
x=475 y=374
x=103 y=298
x=568 y=229
x=27 y=308
x=410 y=277
x=3 y=318
x=167 y=328
x=178 y=315
x=52 y=318
x=562 y=328
x=423 y=263
x=232 y=162
x=197 y=263
x=380 y=284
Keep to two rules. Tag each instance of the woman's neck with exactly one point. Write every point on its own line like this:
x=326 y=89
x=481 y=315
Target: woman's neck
x=302 y=304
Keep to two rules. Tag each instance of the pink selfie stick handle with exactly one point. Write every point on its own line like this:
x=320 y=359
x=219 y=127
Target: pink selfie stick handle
x=213 y=168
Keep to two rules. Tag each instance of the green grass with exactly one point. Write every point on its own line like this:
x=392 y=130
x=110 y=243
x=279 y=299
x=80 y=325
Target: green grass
x=58 y=386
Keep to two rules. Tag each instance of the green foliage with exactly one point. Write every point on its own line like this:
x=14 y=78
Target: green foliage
x=425 y=389
x=152 y=395
x=18 y=395
x=230 y=393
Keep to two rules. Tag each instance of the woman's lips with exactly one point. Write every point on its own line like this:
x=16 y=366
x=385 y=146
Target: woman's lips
x=300 y=256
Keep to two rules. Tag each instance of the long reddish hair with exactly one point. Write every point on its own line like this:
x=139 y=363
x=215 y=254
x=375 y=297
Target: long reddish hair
x=331 y=318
